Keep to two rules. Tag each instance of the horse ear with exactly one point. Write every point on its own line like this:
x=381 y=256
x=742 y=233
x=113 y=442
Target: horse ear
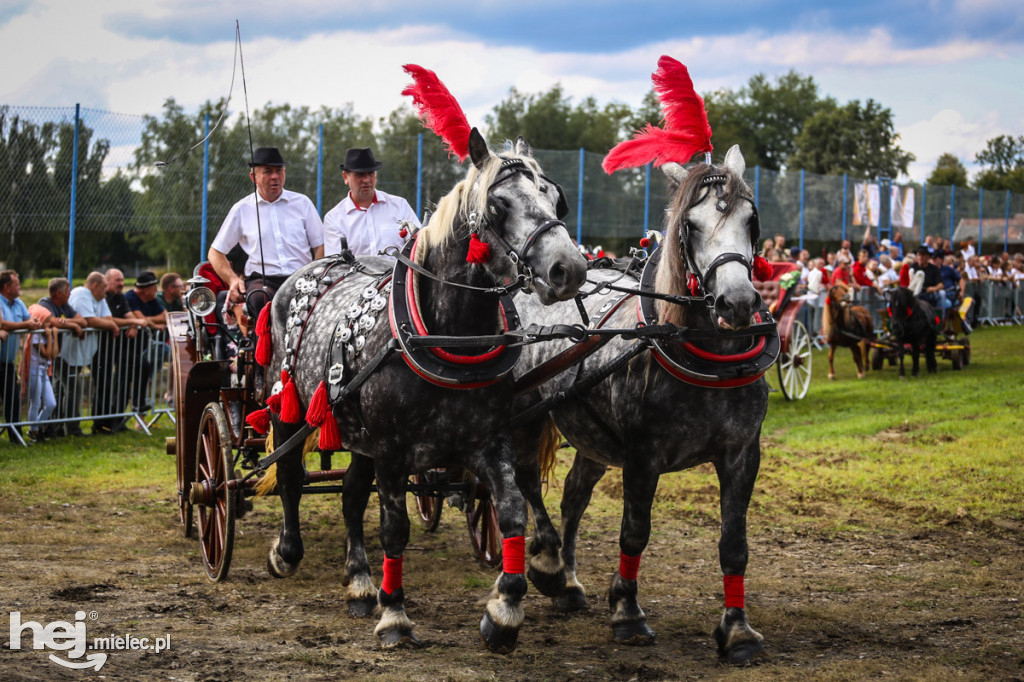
x=523 y=147
x=478 y=150
x=734 y=161
x=674 y=172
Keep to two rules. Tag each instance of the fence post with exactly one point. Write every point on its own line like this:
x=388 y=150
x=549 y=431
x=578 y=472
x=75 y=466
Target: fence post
x=981 y=213
x=1006 y=230
x=802 y=179
x=924 y=196
x=419 y=177
x=579 y=204
x=206 y=185
x=647 y=195
x=844 y=204
x=757 y=186
x=952 y=211
x=320 y=169
x=74 y=198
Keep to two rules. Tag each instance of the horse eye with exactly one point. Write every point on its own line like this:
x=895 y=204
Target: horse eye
x=544 y=188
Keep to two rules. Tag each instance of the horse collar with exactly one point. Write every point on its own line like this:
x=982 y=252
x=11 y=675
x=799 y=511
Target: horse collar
x=434 y=364
x=700 y=367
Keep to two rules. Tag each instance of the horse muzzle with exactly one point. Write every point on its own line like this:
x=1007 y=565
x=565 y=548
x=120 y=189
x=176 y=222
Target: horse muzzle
x=735 y=311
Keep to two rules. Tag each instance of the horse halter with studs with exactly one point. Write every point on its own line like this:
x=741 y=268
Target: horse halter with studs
x=715 y=182
x=495 y=215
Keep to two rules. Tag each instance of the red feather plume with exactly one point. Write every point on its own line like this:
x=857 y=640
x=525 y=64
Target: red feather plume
x=686 y=132
x=438 y=109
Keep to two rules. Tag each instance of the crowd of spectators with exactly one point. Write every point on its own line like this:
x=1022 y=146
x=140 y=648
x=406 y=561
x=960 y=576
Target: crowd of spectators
x=97 y=327
x=949 y=273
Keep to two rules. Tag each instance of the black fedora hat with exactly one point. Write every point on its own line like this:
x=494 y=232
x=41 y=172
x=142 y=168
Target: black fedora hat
x=146 y=279
x=360 y=161
x=267 y=156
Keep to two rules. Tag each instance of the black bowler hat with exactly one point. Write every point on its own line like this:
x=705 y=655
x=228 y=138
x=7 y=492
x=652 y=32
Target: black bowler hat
x=360 y=161
x=146 y=279
x=267 y=156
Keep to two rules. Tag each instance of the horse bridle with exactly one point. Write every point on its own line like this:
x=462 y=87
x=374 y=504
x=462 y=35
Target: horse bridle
x=716 y=182
x=510 y=167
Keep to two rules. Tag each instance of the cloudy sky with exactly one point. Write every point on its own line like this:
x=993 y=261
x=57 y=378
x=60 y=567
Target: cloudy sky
x=951 y=71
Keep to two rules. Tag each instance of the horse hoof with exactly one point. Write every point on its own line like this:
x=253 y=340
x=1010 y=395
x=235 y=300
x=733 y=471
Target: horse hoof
x=398 y=638
x=548 y=584
x=497 y=639
x=278 y=567
x=572 y=599
x=633 y=633
x=362 y=608
x=744 y=652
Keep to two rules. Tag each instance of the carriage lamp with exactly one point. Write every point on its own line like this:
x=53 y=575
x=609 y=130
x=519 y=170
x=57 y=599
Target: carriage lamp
x=200 y=301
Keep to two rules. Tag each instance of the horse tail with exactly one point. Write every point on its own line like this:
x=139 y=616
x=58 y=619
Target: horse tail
x=268 y=481
x=826 y=319
x=550 y=441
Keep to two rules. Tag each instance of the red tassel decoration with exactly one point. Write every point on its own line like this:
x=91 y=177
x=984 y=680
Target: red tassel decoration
x=318 y=406
x=263 y=321
x=403 y=233
x=479 y=251
x=259 y=421
x=644 y=242
x=763 y=270
x=274 y=403
x=330 y=438
x=692 y=284
x=263 y=348
x=290 y=411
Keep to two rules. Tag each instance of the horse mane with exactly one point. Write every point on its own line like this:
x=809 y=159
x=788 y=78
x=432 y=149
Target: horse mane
x=467 y=197
x=671 y=277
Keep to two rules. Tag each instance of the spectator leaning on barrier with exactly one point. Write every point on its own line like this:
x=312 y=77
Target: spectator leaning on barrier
x=66 y=370
x=367 y=218
x=142 y=301
x=120 y=353
x=290 y=228
x=934 y=291
x=169 y=296
x=15 y=318
x=90 y=300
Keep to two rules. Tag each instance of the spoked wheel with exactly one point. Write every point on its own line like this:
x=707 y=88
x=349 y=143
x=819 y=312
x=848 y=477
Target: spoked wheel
x=794 y=366
x=482 y=517
x=213 y=500
x=428 y=506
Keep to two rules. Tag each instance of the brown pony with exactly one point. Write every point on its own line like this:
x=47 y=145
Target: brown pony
x=846 y=325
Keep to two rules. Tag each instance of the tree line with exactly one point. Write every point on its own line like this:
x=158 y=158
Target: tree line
x=150 y=213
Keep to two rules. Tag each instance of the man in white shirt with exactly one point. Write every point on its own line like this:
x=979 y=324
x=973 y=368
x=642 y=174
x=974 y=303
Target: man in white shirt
x=367 y=218
x=290 y=228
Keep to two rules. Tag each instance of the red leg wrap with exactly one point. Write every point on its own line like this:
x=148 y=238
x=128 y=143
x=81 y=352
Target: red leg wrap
x=392 y=575
x=629 y=566
x=733 y=591
x=513 y=555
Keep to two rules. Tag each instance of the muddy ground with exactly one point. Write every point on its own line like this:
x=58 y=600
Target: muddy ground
x=873 y=599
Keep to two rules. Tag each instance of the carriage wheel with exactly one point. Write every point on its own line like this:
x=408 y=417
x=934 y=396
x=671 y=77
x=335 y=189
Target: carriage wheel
x=428 y=506
x=484 y=533
x=185 y=508
x=794 y=366
x=966 y=352
x=210 y=495
x=876 y=359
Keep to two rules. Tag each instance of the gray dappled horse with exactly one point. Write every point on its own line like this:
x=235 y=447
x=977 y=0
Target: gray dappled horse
x=410 y=414
x=651 y=415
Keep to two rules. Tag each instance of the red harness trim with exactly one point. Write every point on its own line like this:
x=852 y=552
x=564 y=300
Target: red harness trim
x=417 y=321
x=513 y=555
x=738 y=357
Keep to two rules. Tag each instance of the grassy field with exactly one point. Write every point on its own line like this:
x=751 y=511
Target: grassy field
x=886 y=527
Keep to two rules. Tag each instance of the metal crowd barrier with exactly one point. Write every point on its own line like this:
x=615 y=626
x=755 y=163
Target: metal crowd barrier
x=998 y=302
x=112 y=382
